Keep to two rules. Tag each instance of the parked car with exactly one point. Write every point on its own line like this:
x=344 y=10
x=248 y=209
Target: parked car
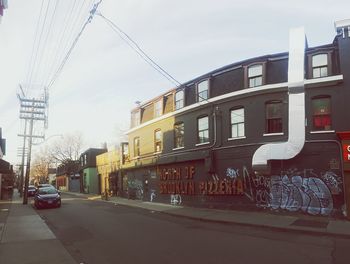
x=47 y=197
x=31 y=190
x=41 y=185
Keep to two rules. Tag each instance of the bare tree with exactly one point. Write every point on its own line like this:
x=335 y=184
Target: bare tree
x=67 y=148
x=64 y=151
x=40 y=167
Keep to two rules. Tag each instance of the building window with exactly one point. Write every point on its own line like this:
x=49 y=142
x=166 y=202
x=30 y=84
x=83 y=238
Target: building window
x=179 y=135
x=135 y=118
x=320 y=65
x=136 y=146
x=321 y=113
x=203 y=91
x=237 y=123
x=158 y=108
x=203 y=130
x=179 y=100
x=255 y=75
x=125 y=152
x=158 y=140
x=274 y=117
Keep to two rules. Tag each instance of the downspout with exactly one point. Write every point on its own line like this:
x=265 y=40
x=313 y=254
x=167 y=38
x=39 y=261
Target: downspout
x=296 y=108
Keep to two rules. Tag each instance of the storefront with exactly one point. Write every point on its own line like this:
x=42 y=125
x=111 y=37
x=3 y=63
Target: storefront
x=345 y=141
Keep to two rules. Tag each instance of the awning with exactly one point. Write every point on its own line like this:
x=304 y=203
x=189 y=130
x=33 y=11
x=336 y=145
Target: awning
x=344 y=135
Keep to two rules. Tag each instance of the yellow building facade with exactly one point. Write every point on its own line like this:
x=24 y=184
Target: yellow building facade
x=107 y=165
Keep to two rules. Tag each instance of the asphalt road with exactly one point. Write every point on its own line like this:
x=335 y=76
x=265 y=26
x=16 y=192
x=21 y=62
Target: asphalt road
x=100 y=232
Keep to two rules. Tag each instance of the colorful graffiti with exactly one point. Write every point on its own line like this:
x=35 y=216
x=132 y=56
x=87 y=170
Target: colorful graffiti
x=310 y=195
x=292 y=190
x=232 y=173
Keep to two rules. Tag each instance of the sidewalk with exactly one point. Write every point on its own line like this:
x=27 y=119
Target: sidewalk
x=25 y=238
x=314 y=225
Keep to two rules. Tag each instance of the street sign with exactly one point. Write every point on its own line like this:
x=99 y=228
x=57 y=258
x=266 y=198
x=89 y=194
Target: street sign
x=346 y=153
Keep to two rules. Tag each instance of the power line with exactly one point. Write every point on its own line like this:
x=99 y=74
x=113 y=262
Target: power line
x=60 y=68
x=44 y=49
x=61 y=37
x=35 y=40
x=67 y=34
x=132 y=44
x=41 y=33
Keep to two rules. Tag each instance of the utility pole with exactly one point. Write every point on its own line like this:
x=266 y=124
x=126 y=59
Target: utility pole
x=23 y=156
x=31 y=110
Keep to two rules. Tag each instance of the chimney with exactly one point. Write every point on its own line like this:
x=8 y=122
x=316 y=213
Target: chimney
x=342 y=27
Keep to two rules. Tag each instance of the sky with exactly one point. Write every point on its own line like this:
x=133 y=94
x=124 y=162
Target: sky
x=103 y=77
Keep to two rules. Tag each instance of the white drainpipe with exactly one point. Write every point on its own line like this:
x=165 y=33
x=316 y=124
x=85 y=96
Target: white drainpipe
x=296 y=108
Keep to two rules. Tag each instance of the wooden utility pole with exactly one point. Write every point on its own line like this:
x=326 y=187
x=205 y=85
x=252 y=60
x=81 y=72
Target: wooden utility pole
x=23 y=156
x=31 y=110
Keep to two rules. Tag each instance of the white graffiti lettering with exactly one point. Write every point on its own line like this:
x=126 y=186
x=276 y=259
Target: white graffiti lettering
x=293 y=190
x=332 y=181
x=232 y=173
x=311 y=195
x=153 y=195
x=175 y=199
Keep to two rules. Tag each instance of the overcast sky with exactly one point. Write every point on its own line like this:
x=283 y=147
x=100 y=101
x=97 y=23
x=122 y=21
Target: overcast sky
x=103 y=77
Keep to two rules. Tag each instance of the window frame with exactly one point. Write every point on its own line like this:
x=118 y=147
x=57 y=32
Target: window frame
x=320 y=67
x=158 y=142
x=201 y=98
x=247 y=78
x=199 y=142
x=310 y=65
x=237 y=124
x=178 y=135
x=155 y=110
x=329 y=114
x=137 y=152
x=135 y=118
x=181 y=100
x=268 y=128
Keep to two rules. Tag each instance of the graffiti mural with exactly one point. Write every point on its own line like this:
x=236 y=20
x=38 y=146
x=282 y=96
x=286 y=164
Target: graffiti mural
x=135 y=189
x=333 y=181
x=310 y=195
x=262 y=191
x=293 y=190
x=152 y=195
x=175 y=199
x=232 y=173
x=247 y=184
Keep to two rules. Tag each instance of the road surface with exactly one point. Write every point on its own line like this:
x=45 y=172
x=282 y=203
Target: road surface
x=100 y=232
